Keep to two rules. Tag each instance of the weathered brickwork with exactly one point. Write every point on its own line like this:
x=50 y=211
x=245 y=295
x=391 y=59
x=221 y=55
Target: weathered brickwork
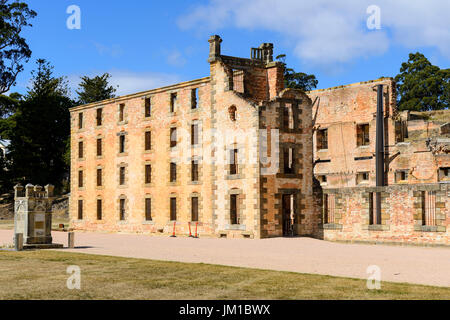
x=236 y=154
x=241 y=98
x=403 y=210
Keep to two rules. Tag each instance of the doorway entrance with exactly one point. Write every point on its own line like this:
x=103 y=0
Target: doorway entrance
x=288 y=215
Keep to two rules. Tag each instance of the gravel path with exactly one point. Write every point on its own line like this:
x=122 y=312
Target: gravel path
x=430 y=266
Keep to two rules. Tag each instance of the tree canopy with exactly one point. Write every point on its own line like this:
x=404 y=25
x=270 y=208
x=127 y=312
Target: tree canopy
x=297 y=80
x=14 y=50
x=95 y=89
x=422 y=86
x=39 y=129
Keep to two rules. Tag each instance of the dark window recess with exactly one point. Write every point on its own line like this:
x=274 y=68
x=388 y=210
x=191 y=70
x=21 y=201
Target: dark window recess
x=372 y=208
x=173 y=172
x=285 y=117
x=194 y=208
x=362 y=177
x=288 y=160
x=232 y=112
x=194 y=170
x=148 y=173
x=80 y=209
x=444 y=173
x=322 y=178
x=99 y=209
x=401 y=175
x=80 y=179
x=122 y=144
x=122 y=176
x=122 y=209
x=99 y=117
x=80 y=120
x=80 y=150
x=173 y=209
x=363 y=158
x=173 y=137
x=194 y=98
x=322 y=139
x=148 y=107
x=325 y=208
x=148 y=209
x=148 y=140
x=362 y=135
x=322 y=161
x=233 y=161
x=99 y=147
x=173 y=102
x=99 y=177
x=194 y=134
x=121 y=113
x=234 y=209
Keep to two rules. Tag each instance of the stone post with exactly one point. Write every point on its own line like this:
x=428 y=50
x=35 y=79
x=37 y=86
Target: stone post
x=29 y=190
x=49 y=190
x=71 y=240
x=18 y=241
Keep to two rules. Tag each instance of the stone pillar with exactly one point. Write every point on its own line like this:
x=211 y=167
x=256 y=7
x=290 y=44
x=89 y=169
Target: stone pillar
x=214 y=47
x=29 y=190
x=18 y=241
x=71 y=240
x=267 y=52
x=49 y=189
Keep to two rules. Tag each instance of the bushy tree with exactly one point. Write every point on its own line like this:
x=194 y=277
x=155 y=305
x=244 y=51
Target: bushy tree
x=40 y=129
x=14 y=50
x=422 y=86
x=297 y=80
x=95 y=89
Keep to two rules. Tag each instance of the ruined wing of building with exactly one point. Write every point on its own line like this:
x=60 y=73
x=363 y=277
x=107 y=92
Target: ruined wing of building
x=236 y=154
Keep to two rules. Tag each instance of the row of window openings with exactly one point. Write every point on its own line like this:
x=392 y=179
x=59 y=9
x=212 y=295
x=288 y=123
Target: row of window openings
x=362 y=137
x=147 y=176
x=147 y=142
x=147 y=209
x=147 y=108
x=428 y=214
x=400 y=176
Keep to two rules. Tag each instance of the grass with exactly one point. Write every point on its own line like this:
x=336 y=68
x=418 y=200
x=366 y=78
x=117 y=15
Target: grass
x=42 y=275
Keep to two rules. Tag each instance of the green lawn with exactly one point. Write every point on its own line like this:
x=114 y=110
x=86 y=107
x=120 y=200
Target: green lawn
x=42 y=275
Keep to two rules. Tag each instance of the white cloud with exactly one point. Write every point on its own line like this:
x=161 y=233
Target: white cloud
x=326 y=32
x=176 y=59
x=130 y=82
x=114 y=50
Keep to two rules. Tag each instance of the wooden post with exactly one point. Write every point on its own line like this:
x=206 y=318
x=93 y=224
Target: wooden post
x=18 y=241
x=71 y=240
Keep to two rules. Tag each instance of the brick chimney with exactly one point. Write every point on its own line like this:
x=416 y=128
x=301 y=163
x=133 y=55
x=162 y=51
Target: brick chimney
x=214 y=47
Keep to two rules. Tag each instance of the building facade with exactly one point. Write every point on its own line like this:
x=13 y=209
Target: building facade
x=228 y=155
x=236 y=154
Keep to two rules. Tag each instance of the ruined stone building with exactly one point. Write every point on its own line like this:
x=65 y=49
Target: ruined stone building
x=196 y=153
x=236 y=154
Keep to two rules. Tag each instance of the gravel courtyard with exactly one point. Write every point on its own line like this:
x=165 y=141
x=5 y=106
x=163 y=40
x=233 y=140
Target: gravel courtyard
x=429 y=266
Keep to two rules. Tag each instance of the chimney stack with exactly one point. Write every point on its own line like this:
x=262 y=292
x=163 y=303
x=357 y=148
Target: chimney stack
x=214 y=47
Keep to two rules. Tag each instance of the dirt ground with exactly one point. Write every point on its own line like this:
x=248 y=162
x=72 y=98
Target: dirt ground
x=420 y=265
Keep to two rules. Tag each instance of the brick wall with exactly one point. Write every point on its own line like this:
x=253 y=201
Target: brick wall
x=403 y=208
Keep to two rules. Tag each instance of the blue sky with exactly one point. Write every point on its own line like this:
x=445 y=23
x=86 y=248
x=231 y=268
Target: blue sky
x=146 y=44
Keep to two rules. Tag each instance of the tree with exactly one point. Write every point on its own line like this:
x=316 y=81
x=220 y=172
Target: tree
x=14 y=50
x=422 y=86
x=95 y=89
x=297 y=80
x=40 y=129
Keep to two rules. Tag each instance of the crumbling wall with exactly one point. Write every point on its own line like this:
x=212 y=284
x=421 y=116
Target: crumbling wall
x=402 y=208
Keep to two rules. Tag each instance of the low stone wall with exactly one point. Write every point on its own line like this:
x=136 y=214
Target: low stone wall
x=411 y=214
